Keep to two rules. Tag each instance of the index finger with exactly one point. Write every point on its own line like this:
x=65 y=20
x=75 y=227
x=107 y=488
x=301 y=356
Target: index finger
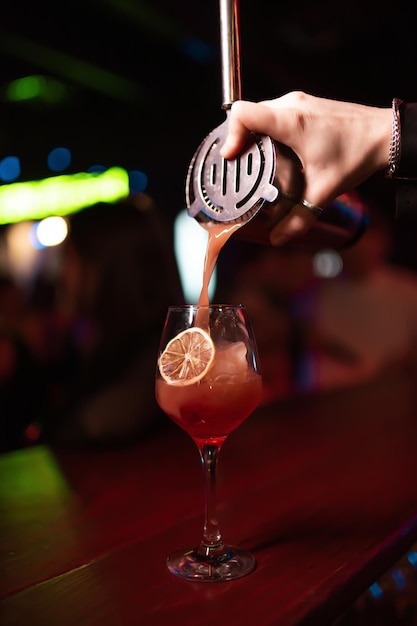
x=245 y=118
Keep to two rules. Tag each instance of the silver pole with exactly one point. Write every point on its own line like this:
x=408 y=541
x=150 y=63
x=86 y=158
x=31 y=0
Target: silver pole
x=230 y=51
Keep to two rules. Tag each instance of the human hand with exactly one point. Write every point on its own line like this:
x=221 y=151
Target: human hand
x=339 y=144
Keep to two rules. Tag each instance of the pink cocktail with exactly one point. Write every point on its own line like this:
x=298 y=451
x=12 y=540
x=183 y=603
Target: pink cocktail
x=208 y=382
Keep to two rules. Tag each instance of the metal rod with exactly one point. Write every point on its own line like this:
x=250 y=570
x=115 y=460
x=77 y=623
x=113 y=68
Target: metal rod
x=230 y=51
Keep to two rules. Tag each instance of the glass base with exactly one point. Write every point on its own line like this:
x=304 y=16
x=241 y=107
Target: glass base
x=230 y=564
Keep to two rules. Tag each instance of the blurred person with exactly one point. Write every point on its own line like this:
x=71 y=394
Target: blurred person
x=339 y=145
x=364 y=321
x=21 y=391
x=317 y=333
x=11 y=302
x=118 y=278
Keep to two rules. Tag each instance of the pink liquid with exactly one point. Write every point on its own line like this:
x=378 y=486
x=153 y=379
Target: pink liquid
x=213 y=407
x=218 y=234
x=210 y=410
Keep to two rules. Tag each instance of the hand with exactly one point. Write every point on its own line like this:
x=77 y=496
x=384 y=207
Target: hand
x=339 y=144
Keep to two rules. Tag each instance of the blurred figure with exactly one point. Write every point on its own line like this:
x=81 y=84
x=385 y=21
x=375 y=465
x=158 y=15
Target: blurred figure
x=118 y=278
x=364 y=321
x=21 y=396
x=317 y=333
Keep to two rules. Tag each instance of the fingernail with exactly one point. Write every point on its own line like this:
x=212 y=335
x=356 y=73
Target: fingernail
x=224 y=150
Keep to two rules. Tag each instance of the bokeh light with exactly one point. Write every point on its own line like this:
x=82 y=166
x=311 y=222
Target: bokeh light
x=9 y=169
x=61 y=195
x=59 y=159
x=138 y=181
x=327 y=264
x=97 y=168
x=198 y=50
x=190 y=242
x=34 y=87
x=51 y=231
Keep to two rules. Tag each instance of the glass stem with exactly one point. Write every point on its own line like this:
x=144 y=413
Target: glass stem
x=211 y=542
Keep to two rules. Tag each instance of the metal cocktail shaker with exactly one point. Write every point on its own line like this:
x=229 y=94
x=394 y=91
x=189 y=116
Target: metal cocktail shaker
x=262 y=184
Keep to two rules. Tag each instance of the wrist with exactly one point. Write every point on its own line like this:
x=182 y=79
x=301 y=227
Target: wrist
x=382 y=123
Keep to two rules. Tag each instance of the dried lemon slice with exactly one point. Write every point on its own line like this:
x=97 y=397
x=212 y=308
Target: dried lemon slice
x=187 y=357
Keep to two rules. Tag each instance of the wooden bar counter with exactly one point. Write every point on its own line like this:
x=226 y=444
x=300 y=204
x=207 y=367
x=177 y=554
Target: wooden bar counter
x=322 y=489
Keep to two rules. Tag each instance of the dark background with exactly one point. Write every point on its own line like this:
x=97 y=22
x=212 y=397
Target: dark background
x=139 y=83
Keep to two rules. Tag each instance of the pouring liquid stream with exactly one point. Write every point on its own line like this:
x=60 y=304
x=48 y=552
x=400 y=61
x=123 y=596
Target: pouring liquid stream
x=218 y=234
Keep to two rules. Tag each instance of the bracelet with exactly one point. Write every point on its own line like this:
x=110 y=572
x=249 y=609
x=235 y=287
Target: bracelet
x=395 y=143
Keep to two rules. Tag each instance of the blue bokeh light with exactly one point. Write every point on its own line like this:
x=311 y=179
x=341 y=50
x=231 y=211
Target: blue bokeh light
x=376 y=590
x=9 y=169
x=33 y=237
x=198 y=50
x=412 y=558
x=97 y=168
x=399 y=578
x=138 y=181
x=59 y=159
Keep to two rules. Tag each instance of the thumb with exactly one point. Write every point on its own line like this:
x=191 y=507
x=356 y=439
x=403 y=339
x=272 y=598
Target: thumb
x=244 y=118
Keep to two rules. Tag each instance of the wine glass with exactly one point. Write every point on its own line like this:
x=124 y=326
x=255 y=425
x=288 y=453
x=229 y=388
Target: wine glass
x=208 y=382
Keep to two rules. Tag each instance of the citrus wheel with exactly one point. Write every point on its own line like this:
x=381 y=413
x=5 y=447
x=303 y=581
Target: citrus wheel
x=187 y=357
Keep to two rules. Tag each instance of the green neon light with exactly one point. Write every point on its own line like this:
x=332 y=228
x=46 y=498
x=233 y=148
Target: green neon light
x=40 y=478
x=25 y=88
x=61 y=195
x=35 y=86
x=76 y=70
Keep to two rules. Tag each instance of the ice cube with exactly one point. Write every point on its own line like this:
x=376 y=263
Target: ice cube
x=230 y=364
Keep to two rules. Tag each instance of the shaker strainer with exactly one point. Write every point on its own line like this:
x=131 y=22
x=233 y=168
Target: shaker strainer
x=265 y=180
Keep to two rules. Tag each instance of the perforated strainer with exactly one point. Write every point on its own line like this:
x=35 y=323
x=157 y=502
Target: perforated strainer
x=229 y=191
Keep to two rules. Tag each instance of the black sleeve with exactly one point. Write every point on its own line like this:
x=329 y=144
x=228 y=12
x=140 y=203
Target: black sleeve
x=406 y=174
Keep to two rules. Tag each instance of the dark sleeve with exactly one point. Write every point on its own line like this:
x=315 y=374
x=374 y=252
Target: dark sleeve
x=406 y=174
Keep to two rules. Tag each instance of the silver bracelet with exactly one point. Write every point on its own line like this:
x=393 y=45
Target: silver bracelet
x=395 y=143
